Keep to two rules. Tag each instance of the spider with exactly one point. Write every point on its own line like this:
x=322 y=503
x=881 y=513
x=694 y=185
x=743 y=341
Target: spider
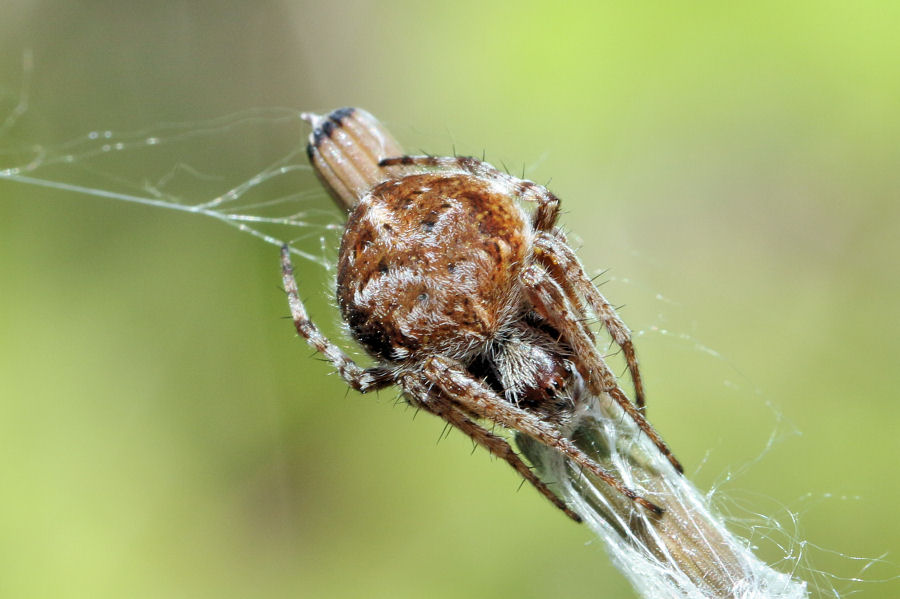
x=477 y=310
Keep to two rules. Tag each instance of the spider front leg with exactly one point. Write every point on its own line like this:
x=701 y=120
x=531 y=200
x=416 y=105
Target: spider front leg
x=434 y=401
x=473 y=396
x=361 y=379
x=549 y=301
x=565 y=268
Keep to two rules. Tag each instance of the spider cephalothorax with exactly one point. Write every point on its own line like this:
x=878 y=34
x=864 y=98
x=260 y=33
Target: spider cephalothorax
x=476 y=310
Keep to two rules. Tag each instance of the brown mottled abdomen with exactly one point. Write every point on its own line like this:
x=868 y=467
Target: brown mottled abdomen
x=428 y=261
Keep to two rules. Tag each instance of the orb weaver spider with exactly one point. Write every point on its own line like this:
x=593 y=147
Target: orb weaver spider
x=475 y=309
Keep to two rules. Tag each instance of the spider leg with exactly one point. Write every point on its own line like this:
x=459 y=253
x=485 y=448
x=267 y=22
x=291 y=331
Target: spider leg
x=361 y=379
x=434 y=401
x=549 y=302
x=547 y=210
x=567 y=285
x=473 y=396
x=563 y=265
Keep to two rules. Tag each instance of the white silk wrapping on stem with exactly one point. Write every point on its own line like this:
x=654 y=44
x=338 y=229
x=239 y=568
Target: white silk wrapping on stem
x=687 y=553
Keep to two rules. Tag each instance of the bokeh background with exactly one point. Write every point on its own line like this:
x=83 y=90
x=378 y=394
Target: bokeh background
x=163 y=433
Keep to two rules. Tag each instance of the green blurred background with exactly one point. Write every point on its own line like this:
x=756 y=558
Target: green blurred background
x=164 y=434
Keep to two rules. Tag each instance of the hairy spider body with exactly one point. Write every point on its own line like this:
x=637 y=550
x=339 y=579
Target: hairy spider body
x=475 y=309
x=429 y=264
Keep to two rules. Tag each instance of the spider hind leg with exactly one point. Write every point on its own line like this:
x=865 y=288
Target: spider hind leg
x=549 y=301
x=564 y=267
x=474 y=397
x=435 y=402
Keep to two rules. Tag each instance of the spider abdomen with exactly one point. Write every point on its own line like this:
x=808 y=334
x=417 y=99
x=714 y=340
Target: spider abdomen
x=429 y=263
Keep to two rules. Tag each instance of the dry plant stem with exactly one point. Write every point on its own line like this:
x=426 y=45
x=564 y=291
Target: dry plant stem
x=349 y=146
